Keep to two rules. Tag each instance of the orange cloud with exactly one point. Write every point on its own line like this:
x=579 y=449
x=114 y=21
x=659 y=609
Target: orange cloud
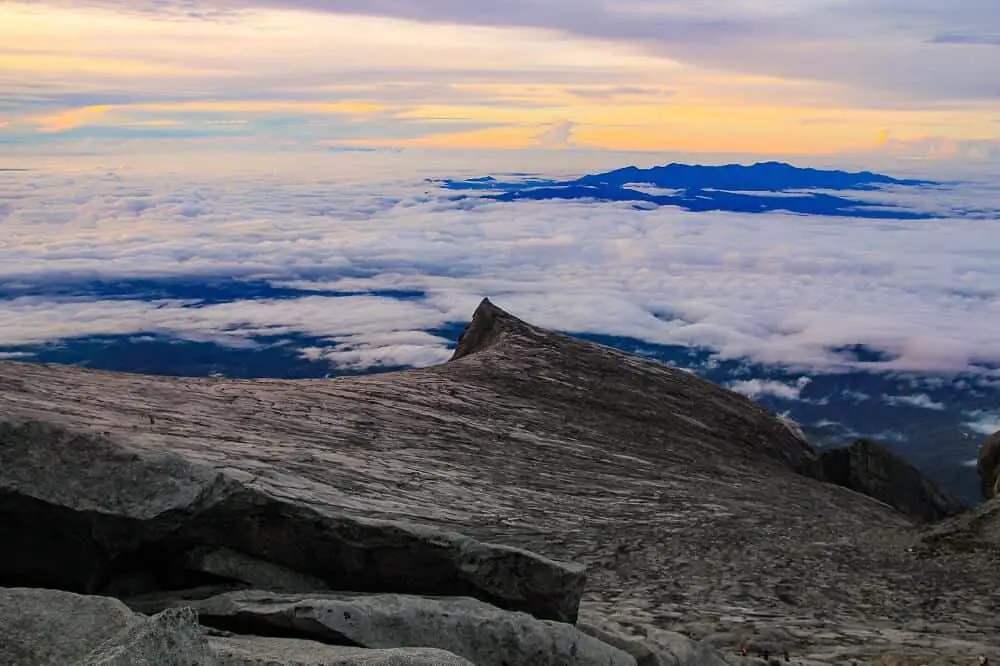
x=71 y=119
x=99 y=114
x=493 y=137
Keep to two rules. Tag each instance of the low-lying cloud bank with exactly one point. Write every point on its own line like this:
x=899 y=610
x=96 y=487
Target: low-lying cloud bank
x=812 y=292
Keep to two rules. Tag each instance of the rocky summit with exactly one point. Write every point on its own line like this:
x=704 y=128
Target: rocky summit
x=537 y=500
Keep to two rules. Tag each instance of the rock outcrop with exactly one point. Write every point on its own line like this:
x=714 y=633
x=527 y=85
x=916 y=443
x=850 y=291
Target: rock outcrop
x=95 y=515
x=50 y=627
x=654 y=647
x=265 y=651
x=989 y=466
x=871 y=469
x=54 y=628
x=498 y=477
x=479 y=632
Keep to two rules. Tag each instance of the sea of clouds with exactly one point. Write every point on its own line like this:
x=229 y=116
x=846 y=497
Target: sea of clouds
x=773 y=288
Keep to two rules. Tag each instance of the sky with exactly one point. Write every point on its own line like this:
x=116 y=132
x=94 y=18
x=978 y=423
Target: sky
x=291 y=140
x=915 y=78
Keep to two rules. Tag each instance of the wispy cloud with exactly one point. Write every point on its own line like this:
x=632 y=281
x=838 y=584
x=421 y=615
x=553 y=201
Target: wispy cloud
x=985 y=423
x=907 y=46
x=756 y=388
x=921 y=400
x=658 y=75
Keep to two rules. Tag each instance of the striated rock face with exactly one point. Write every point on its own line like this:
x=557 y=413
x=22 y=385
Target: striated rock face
x=265 y=651
x=54 y=628
x=989 y=466
x=973 y=531
x=483 y=634
x=870 y=468
x=92 y=514
x=684 y=501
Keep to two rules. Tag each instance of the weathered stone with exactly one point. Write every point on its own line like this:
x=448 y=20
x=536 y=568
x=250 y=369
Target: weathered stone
x=54 y=628
x=655 y=647
x=230 y=565
x=871 y=469
x=925 y=658
x=262 y=651
x=989 y=466
x=975 y=530
x=93 y=514
x=483 y=634
x=171 y=638
x=685 y=500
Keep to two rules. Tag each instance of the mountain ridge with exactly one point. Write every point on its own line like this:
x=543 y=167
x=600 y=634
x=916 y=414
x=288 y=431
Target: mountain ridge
x=686 y=502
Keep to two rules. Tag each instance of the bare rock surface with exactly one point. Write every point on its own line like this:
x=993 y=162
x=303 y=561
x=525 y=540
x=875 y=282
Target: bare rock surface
x=91 y=513
x=266 y=651
x=54 y=628
x=684 y=500
x=653 y=647
x=870 y=468
x=975 y=531
x=479 y=632
x=170 y=638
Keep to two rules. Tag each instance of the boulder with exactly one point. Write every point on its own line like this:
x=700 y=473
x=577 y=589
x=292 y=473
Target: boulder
x=54 y=628
x=871 y=469
x=92 y=514
x=479 y=632
x=653 y=647
x=171 y=638
x=989 y=466
x=264 y=651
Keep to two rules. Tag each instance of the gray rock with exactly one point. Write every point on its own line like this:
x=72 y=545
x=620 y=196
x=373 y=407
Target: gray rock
x=228 y=564
x=686 y=501
x=93 y=514
x=975 y=530
x=871 y=469
x=54 y=628
x=481 y=633
x=654 y=647
x=171 y=638
x=261 y=651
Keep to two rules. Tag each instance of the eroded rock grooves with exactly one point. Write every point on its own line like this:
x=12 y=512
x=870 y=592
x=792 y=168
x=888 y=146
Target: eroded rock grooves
x=692 y=507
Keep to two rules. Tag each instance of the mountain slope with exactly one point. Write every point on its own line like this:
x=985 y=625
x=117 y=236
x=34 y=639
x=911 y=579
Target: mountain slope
x=683 y=498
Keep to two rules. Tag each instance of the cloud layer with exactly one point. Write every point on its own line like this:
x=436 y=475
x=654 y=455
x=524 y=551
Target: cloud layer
x=919 y=47
x=776 y=288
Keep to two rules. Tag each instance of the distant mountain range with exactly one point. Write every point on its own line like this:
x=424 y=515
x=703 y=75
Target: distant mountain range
x=758 y=188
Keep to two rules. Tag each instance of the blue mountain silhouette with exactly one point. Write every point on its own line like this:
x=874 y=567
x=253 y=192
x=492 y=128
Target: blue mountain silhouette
x=732 y=187
x=762 y=176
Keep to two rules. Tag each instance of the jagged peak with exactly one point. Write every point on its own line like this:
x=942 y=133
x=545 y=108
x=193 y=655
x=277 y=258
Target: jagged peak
x=487 y=326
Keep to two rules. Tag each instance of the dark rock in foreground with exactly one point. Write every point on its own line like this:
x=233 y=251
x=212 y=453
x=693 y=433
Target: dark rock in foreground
x=685 y=501
x=989 y=466
x=54 y=628
x=870 y=468
x=483 y=634
x=49 y=627
x=92 y=514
